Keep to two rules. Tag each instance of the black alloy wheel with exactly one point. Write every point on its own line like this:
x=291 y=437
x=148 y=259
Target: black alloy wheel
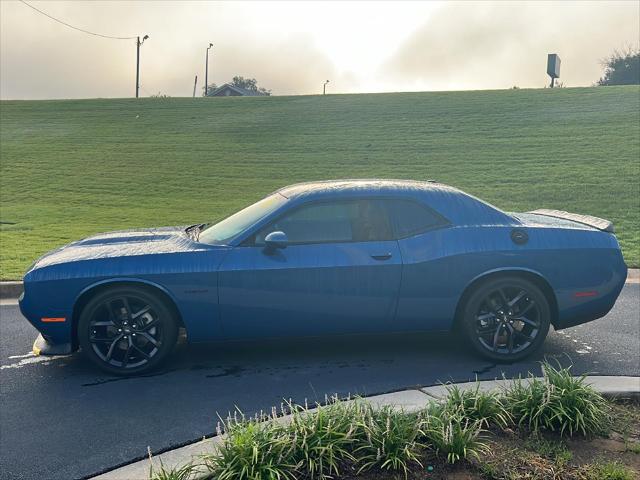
x=507 y=319
x=127 y=330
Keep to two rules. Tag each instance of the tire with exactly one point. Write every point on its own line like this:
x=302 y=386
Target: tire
x=506 y=319
x=127 y=330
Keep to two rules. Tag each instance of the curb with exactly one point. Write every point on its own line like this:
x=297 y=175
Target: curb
x=12 y=290
x=410 y=400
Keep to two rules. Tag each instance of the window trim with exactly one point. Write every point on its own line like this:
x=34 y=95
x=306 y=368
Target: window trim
x=249 y=241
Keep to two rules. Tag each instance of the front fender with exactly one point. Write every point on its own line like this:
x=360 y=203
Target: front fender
x=119 y=280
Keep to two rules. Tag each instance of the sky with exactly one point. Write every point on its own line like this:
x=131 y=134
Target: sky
x=291 y=48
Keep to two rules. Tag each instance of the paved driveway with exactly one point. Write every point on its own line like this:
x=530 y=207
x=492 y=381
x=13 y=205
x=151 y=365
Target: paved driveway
x=61 y=419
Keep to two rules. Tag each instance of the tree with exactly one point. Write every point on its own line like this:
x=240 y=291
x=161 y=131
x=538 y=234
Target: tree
x=209 y=89
x=622 y=68
x=250 y=84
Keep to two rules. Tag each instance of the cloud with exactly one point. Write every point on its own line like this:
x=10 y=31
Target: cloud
x=290 y=66
x=42 y=59
x=291 y=48
x=498 y=45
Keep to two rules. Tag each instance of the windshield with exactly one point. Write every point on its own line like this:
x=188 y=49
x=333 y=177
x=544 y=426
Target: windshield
x=230 y=227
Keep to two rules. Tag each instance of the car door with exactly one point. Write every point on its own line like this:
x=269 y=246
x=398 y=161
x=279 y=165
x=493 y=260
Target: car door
x=426 y=300
x=339 y=273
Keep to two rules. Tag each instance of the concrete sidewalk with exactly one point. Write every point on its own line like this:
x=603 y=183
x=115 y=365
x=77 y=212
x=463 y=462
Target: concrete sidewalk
x=408 y=400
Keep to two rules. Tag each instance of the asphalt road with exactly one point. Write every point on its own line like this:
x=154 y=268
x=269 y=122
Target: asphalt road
x=61 y=419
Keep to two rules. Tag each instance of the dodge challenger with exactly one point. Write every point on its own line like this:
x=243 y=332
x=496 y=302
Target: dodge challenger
x=321 y=258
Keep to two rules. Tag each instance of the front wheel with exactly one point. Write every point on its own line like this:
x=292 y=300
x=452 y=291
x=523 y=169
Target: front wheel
x=506 y=319
x=127 y=330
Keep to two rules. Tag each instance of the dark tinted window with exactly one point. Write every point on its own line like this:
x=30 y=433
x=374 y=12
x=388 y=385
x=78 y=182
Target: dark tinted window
x=411 y=218
x=344 y=221
x=371 y=222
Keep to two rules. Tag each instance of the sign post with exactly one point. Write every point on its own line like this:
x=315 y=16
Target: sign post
x=553 y=67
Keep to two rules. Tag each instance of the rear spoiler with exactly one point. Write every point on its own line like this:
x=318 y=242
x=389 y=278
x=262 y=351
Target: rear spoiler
x=595 y=222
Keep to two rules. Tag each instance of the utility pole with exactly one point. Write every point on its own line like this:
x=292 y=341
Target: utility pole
x=138 y=45
x=206 y=72
x=195 y=82
x=324 y=87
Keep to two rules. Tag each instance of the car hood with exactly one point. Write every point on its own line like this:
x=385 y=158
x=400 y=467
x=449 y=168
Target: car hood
x=124 y=243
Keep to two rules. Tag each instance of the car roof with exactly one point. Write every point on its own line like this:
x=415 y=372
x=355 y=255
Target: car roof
x=457 y=206
x=361 y=186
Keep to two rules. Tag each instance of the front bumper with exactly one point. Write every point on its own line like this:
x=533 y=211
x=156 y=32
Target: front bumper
x=46 y=311
x=43 y=347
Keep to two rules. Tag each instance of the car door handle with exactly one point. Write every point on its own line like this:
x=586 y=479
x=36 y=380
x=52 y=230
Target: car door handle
x=382 y=256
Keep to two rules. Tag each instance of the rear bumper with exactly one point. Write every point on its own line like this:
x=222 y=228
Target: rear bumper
x=42 y=346
x=586 y=311
x=584 y=318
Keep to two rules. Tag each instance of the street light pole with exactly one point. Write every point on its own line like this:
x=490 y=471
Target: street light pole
x=206 y=72
x=324 y=87
x=138 y=45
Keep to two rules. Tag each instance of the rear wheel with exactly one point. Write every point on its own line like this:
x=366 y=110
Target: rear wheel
x=127 y=330
x=507 y=319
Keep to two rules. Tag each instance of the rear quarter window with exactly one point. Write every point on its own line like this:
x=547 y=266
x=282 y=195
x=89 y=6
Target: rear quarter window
x=411 y=218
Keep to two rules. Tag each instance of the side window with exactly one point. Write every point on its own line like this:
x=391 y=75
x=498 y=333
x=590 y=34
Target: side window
x=345 y=221
x=411 y=218
x=371 y=222
x=318 y=223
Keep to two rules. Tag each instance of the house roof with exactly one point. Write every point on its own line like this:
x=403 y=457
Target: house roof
x=242 y=91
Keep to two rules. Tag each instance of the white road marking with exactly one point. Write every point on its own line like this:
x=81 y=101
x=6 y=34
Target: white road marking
x=30 y=354
x=30 y=359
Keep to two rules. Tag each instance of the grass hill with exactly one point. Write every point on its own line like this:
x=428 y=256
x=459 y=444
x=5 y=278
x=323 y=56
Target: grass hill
x=71 y=168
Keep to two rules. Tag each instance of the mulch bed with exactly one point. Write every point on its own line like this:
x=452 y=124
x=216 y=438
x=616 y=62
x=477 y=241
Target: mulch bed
x=520 y=455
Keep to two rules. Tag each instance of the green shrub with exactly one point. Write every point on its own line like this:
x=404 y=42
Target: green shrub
x=560 y=402
x=319 y=444
x=322 y=440
x=450 y=434
x=525 y=400
x=390 y=439
x=176 y=473
x=485 y=407
x=253 y=449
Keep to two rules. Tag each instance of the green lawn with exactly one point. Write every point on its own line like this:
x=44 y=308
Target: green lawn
x=76 y=167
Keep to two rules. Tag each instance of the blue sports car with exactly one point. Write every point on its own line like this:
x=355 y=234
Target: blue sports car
x=335 y=257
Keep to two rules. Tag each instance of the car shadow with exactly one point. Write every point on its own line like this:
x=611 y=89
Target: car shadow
x=378 y=362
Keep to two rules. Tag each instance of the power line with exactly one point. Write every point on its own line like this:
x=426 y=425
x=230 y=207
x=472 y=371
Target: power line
x=75 y=28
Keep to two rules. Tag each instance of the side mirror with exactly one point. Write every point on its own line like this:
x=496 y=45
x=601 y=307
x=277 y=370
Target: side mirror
x=275 y=240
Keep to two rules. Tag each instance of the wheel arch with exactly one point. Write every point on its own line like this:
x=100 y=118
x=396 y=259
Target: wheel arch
x=89 y=292
x=535 y=277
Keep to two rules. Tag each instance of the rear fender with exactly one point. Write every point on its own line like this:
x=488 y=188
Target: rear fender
x=532 y=275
